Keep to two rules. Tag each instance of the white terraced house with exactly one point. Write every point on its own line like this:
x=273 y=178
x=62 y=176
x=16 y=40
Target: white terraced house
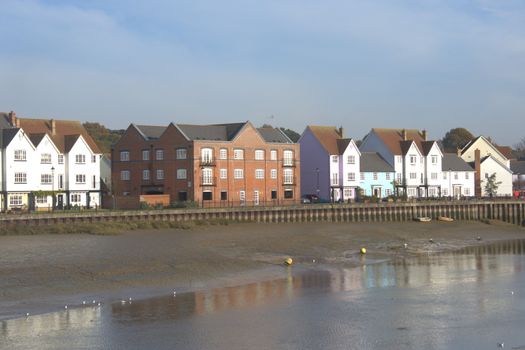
x=418 y=162
x=47 y=164
x=330 y=165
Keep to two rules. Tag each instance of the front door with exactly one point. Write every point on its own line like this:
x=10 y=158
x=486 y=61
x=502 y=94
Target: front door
x=457 y=191
x=377 y=192
x=255 y=197
x=60 y=201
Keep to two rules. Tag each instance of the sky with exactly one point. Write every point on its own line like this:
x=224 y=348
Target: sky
x=426 y=64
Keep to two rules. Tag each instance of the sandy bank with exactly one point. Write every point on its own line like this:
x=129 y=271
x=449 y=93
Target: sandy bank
x=42 y=273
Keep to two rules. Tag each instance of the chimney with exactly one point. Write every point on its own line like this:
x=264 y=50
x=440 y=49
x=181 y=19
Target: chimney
x=458 y=151
x=404 y=134
x=12 y=119
x=424 y=134
x=340 y=131
x=53 y=126
x=477 y=176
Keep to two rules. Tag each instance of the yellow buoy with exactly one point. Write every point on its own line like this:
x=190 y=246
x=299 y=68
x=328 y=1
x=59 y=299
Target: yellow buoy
x=288 y=261
x=363 y=250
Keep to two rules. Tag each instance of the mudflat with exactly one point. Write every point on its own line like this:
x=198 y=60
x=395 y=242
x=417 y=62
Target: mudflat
x=44 y=272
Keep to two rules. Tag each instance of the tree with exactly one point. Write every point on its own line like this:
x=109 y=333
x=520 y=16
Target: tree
x=292 y=135
x=519 y=149
x=491 y=185
x=104 y=137
x=456 y=138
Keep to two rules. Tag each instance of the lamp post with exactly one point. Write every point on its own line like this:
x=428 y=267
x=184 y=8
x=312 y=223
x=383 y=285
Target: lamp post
x=53 y=187
x=317 y=172
x=450 y=183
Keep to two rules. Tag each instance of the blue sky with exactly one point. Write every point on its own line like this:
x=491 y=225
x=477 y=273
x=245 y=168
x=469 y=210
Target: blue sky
x=434 y=64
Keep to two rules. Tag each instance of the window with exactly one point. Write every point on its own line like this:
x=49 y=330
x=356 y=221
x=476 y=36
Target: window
x=288 y=194
x=413 y=175
x=399 y=159
x=288 y=176
x=259 y=154
x=273 y=173
x=224 y=196
x=444 y=176
x=124 y=156
x=242 y=197
x=76 y=198
x=41 y=199
x=145 y=154
x=273 y=154
x=80 y=159
x=181 y=174
x=348 y=193
x=124 y=175
x=335 y=179
x=335 y=159
x=434 y=159
x=413 y=159
x=351 y=176
x=206 y=155
x=256 y=197
x=207 y=195
x=20 y=178
x=160 y=174
x=94 y=181
x=20 y=155
x=145 y=174
x=207 y=176
x=60 y=159
x=45 y=158
x=238 y=173
x=238 y=154
x=259 y=174
x=466 y=176
x=223 y=153
x=388 y=192
x=362 y=176
x=388 y=176
x=467 y=191
x=15 y=199
x=46 y=179
x=288 y=158
x=431 y=192
x=399 y=177
x=93 y=159
x=351 y=160
x=181 y=153
x=456 y=176
x=411 y=192
x=274 y=194
x=434 y=176
x=445 y=192
x=80 y=179
x=375 y=176
x=224 y=173
x=159 y=154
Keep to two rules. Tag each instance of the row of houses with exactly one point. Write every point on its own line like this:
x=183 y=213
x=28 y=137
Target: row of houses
x=49 y=163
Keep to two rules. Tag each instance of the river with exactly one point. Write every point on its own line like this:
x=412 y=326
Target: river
x=473 y=298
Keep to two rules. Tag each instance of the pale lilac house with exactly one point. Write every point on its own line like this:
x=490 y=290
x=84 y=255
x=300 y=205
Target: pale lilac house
x=330 y=164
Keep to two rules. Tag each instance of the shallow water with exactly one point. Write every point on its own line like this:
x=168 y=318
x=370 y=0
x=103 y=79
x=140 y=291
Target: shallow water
x=470 y=299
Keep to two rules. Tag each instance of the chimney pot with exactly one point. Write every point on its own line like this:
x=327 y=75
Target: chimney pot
x=404 y=134
x=341 y=130
x=424 y=134
x=12 y=119
x=53 y=126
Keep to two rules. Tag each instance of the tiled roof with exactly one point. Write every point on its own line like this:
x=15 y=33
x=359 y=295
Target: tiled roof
x=63 y=128
x=273 y=135
x=483 y=159
x=373 y=162
x=4 y=121
x=405 y=146
x=426 y=147
x=506 y=151
x=468 y=145
x=392 y=138
x=328 y=136
x=151 y=132
x=451 y=161
x=517 y=166
x=8 y=135
x=214 y=132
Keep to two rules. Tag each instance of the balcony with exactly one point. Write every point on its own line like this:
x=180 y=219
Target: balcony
x=289 y=163
x=206 y=162
x=289 y=181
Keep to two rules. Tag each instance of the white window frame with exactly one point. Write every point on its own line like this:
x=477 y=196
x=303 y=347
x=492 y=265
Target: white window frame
x=124 y=156
x=273 y=173
x=223 y=173
x=20 y=178
x=60 y=159
x=159 y=154
x=80 y=158
x=46 y=179
x=160 y=174
x=259 y=174
x=351 y=159
x=259 y=154
x=288 y=176
x=20 y=155
x=181 y=153
x=273 y=154
x=146 y=174
x=145 y=154
x=288 y=157
x=125 y=175
x=223 y=153
x=238 y=154
x=238 y=174
x=351 y=176
x=182 y=174
x=80 y=178
x=45 y=158
x=16 y=200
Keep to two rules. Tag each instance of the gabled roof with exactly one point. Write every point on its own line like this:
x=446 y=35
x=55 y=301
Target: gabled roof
x=273 y=135
x=328 y=137
x=517 y=166
x=36 y=138
x=483 y=159
x=405 y=146
x=213 y=132
x=8 y=135
x=342 y=144
x=150 y=132
x=451 y=161
x=482 y=138
x=373 y=162
x=63 y=128
x=426 y=147
x=392 y=138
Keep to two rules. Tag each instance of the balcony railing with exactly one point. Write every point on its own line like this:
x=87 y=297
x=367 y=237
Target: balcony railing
x=287 y=162
x=289 y=181
x=204 y=162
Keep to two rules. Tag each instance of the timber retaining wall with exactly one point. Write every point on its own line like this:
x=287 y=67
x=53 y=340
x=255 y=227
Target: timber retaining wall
x=508 y=211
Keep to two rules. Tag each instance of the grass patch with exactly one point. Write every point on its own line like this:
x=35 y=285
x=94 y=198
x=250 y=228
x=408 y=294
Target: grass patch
x=106 y=228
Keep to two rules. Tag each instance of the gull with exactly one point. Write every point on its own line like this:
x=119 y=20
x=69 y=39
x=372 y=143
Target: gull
x=512 y=293
x=83 y=302
x=123 y=301
x=501 y=345
x=94 y=301
x=405 y=245
x=431 y=240
x=98 y=304
x=130 y=299
x=27 y=314
x=65 y=307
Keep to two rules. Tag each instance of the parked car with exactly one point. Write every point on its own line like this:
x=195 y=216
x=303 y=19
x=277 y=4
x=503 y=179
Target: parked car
x=310 y=198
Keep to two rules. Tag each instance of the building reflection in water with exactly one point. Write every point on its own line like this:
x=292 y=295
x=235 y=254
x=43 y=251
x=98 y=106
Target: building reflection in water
x=436 y=270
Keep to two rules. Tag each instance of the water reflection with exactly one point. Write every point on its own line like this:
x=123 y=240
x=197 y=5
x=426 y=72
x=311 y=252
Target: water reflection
x=428 y=276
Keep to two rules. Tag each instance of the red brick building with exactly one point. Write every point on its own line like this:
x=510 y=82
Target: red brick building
x=215 y=165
